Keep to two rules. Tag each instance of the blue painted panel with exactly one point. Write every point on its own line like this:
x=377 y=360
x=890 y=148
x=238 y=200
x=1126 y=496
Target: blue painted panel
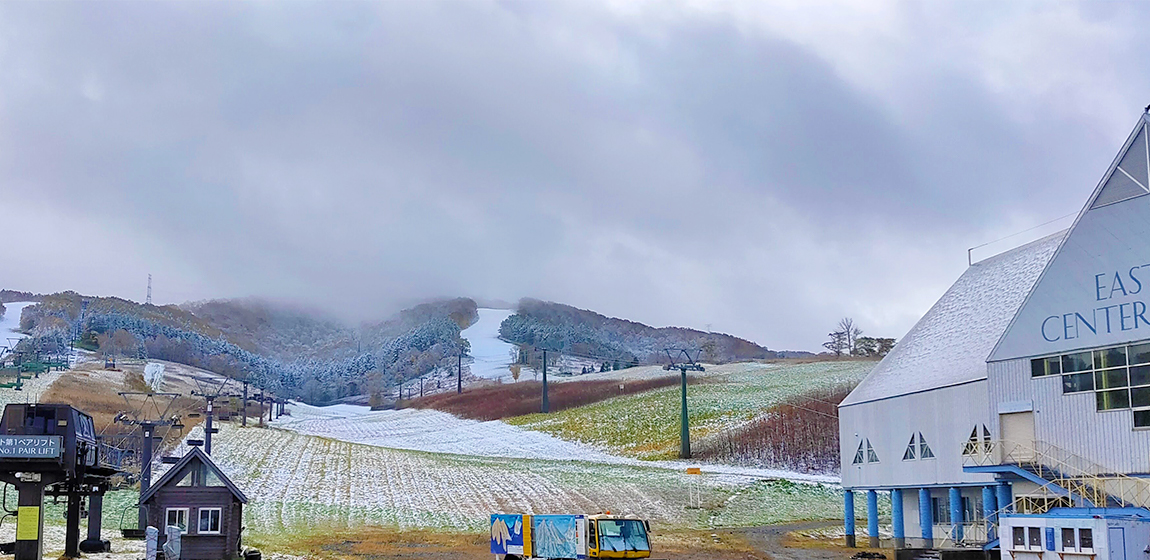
x=506 y=534
x=555 y=536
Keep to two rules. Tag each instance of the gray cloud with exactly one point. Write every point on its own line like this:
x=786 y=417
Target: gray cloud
x=756 y=168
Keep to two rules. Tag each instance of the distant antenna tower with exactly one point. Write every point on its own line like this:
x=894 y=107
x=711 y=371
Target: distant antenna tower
x=149 y=301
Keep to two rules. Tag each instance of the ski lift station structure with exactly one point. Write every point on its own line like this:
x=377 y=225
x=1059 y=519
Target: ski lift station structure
x=53 y=449
x=1014 y=417
x=197 y=496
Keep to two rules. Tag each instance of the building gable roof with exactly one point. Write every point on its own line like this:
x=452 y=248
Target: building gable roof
x=949 y=345
x=171 y=476
x=1099 y=264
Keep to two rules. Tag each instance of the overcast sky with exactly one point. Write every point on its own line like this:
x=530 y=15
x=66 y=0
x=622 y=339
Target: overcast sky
x=762 y=169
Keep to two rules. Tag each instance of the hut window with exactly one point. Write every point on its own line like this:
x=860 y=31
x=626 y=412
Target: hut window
x=211 y=479
x=178 y=517
x=209 y=520
x=1085 y=540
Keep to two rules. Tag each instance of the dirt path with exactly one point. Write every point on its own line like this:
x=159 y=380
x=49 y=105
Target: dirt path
x=774 y=541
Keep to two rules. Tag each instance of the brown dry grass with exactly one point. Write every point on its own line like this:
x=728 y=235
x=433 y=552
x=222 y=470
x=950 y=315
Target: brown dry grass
x=96 y=392
x=377 y=543
x=493 y=402
x=374 y=543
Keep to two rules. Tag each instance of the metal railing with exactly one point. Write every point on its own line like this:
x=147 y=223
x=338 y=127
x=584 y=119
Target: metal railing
x=1061 y=468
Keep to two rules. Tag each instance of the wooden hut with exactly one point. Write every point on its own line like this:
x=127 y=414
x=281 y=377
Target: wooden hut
x=196 y=496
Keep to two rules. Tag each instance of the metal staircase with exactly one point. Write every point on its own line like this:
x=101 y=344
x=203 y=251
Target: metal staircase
x=1060 y=473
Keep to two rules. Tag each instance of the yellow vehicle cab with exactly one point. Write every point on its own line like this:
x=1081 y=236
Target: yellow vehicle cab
x=614 y=536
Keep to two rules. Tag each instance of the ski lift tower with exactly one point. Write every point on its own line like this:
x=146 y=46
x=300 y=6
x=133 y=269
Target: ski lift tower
x=148 y=416
x=210 y=391
x=686 y=363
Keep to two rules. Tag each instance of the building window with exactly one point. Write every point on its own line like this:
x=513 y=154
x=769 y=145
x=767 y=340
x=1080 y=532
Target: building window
x=974 y=445
x=1112 y=400
x=1082 y=361
x=865 y=453
x=941 y=510
x=1142 y=418
x=924 y=449
x=1085 y=540
x=1119 y=377
x=1078 y=382
x=1020 y=537
x=178 y=517
x=909 y=454
x=1045 y=366
x=1035 y=540
x=1068 y=540
x=209 y=521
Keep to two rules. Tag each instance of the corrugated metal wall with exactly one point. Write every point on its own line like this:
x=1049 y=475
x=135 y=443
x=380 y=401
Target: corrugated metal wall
x=945 y=418
x=1070 y=421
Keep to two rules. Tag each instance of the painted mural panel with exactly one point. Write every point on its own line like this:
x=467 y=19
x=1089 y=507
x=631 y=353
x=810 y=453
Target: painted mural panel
x=506 y=534
x=556 y=536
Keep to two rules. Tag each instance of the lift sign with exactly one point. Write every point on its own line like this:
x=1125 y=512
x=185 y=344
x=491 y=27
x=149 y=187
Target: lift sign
x=30 y=447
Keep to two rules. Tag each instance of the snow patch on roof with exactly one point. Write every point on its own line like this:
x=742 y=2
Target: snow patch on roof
x=950 y=344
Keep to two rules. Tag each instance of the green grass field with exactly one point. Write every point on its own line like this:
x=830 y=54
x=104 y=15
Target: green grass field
x=646 y=426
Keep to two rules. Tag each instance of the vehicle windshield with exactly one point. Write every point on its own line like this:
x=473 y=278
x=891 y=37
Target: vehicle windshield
x=622 y=534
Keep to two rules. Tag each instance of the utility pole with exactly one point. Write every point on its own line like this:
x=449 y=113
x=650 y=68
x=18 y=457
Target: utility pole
x=546 y=404
x=684 y=424
x=459 y=373
x=244 y=408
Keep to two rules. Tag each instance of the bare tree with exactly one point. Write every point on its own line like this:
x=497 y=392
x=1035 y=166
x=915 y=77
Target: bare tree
x=850 y=332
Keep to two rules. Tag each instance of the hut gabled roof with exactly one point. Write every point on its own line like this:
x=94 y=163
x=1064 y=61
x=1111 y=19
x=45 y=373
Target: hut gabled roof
x=196 y=454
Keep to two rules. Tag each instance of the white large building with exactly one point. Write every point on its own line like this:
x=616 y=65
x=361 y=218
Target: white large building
x=1019 y=405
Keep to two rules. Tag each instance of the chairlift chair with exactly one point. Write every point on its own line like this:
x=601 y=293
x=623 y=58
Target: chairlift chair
x=136 y=534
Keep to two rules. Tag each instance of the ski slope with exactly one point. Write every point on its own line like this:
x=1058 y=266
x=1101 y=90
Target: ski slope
x=490 y=355
x=302 y=483
x=432 y=431
x=10 y=321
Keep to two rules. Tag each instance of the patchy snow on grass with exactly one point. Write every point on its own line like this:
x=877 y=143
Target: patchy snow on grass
x=645 y=425
x=301 y=484
x=433 y=431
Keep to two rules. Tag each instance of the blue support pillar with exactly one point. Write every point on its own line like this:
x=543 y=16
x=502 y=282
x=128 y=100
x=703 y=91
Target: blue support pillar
x=872 y=518
x=897 y=526
x=955 y=498
x=1005 y=499
x=989 y=509
x=925 y=518
x=849 y=517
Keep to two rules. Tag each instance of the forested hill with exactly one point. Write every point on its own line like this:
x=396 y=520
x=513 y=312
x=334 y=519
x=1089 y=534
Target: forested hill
x=297 y=353
x=279 y=330
x=555 y=326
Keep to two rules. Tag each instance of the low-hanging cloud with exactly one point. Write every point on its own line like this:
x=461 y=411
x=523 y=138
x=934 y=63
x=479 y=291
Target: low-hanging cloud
x=756 y=168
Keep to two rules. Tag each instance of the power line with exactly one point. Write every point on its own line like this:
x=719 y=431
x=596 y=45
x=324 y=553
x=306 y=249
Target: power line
x=970 y=250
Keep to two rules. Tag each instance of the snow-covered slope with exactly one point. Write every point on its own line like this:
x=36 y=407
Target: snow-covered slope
x=434 y=431
x=10 y=321
x=491 y=355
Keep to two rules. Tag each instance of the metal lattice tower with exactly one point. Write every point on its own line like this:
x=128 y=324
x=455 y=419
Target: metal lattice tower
x=149 y=300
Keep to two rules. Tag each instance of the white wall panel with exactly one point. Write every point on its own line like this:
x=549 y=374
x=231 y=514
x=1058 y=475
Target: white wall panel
x=945 y=417
x=1096 y=290
x=1070 y=421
